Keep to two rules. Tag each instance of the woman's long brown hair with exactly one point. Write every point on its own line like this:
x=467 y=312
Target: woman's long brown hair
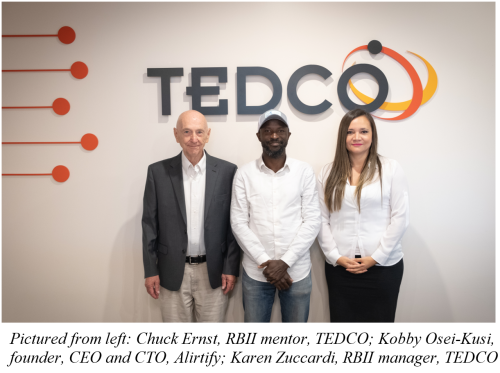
x=341 y=168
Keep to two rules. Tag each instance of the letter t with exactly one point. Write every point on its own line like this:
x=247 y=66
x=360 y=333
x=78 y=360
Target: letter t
x=165 y=74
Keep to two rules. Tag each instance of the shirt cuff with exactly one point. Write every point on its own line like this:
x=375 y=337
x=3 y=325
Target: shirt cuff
x=379 y=257
x=333 y=256
x=263 y=258
x=289 y=258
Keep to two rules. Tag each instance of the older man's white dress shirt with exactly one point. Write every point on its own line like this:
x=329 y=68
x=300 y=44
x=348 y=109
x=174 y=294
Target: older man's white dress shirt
x=194 y=179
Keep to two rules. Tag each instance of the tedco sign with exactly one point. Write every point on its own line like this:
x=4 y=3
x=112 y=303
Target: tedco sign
x=420 y=95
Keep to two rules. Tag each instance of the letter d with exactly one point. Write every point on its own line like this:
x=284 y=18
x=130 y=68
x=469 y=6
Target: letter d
x=241 y=79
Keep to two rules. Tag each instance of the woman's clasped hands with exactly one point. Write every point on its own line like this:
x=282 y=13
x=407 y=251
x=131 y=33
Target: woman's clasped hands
x=356 y=265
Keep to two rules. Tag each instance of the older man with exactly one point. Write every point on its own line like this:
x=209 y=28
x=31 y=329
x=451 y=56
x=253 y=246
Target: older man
x=275 y=217
x=191 y=259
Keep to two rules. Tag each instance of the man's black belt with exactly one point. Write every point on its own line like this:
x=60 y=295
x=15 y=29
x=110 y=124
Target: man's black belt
x=196 y=259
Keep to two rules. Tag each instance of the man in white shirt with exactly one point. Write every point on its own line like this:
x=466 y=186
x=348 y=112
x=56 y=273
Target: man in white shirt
x=189 y=251
x=275 y=217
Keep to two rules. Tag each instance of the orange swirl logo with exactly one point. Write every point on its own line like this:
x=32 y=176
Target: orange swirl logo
x=420 y=95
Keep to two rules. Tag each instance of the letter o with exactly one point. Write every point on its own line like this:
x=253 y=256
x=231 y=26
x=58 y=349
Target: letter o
x=488 y=357
x=364 y=334
x=158 y=354
x=98 y=357
x=383 y=87
x=427 y=338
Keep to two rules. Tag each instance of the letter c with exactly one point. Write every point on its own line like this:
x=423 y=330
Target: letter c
x=292 y=89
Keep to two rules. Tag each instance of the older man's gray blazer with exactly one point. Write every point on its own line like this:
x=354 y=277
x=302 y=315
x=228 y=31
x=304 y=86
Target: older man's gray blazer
x=164 y=228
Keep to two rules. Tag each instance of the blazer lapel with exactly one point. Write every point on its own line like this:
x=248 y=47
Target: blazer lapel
x=175 y=173
x=210 y=182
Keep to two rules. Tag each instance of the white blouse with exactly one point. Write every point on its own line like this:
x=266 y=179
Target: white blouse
x=378 y=229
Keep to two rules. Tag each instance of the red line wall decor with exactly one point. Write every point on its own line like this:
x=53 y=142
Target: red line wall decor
x=79 y=70
x=88 y=142
x=59 y=174
x=61 y=106
x=65 y=35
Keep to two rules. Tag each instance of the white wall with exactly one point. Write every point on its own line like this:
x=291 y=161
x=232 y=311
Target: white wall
x=72 y=251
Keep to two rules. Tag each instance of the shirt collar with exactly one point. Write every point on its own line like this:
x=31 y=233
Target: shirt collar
x=200 y=166
x=262 y=165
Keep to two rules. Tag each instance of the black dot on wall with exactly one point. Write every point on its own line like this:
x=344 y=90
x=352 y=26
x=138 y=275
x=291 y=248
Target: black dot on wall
x=375 y=47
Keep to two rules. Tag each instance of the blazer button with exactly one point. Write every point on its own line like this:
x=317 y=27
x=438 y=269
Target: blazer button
x=185 y=232
x=183 y=250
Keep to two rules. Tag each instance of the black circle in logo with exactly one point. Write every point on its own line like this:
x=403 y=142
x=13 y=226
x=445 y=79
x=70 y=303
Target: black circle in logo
x=374 y=47
x=383 y=87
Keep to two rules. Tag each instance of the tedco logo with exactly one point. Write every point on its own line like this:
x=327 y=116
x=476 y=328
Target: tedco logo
x=419 y=97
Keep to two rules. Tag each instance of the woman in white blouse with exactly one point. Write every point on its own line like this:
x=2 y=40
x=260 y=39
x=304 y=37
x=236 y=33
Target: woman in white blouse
x=364 y=209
